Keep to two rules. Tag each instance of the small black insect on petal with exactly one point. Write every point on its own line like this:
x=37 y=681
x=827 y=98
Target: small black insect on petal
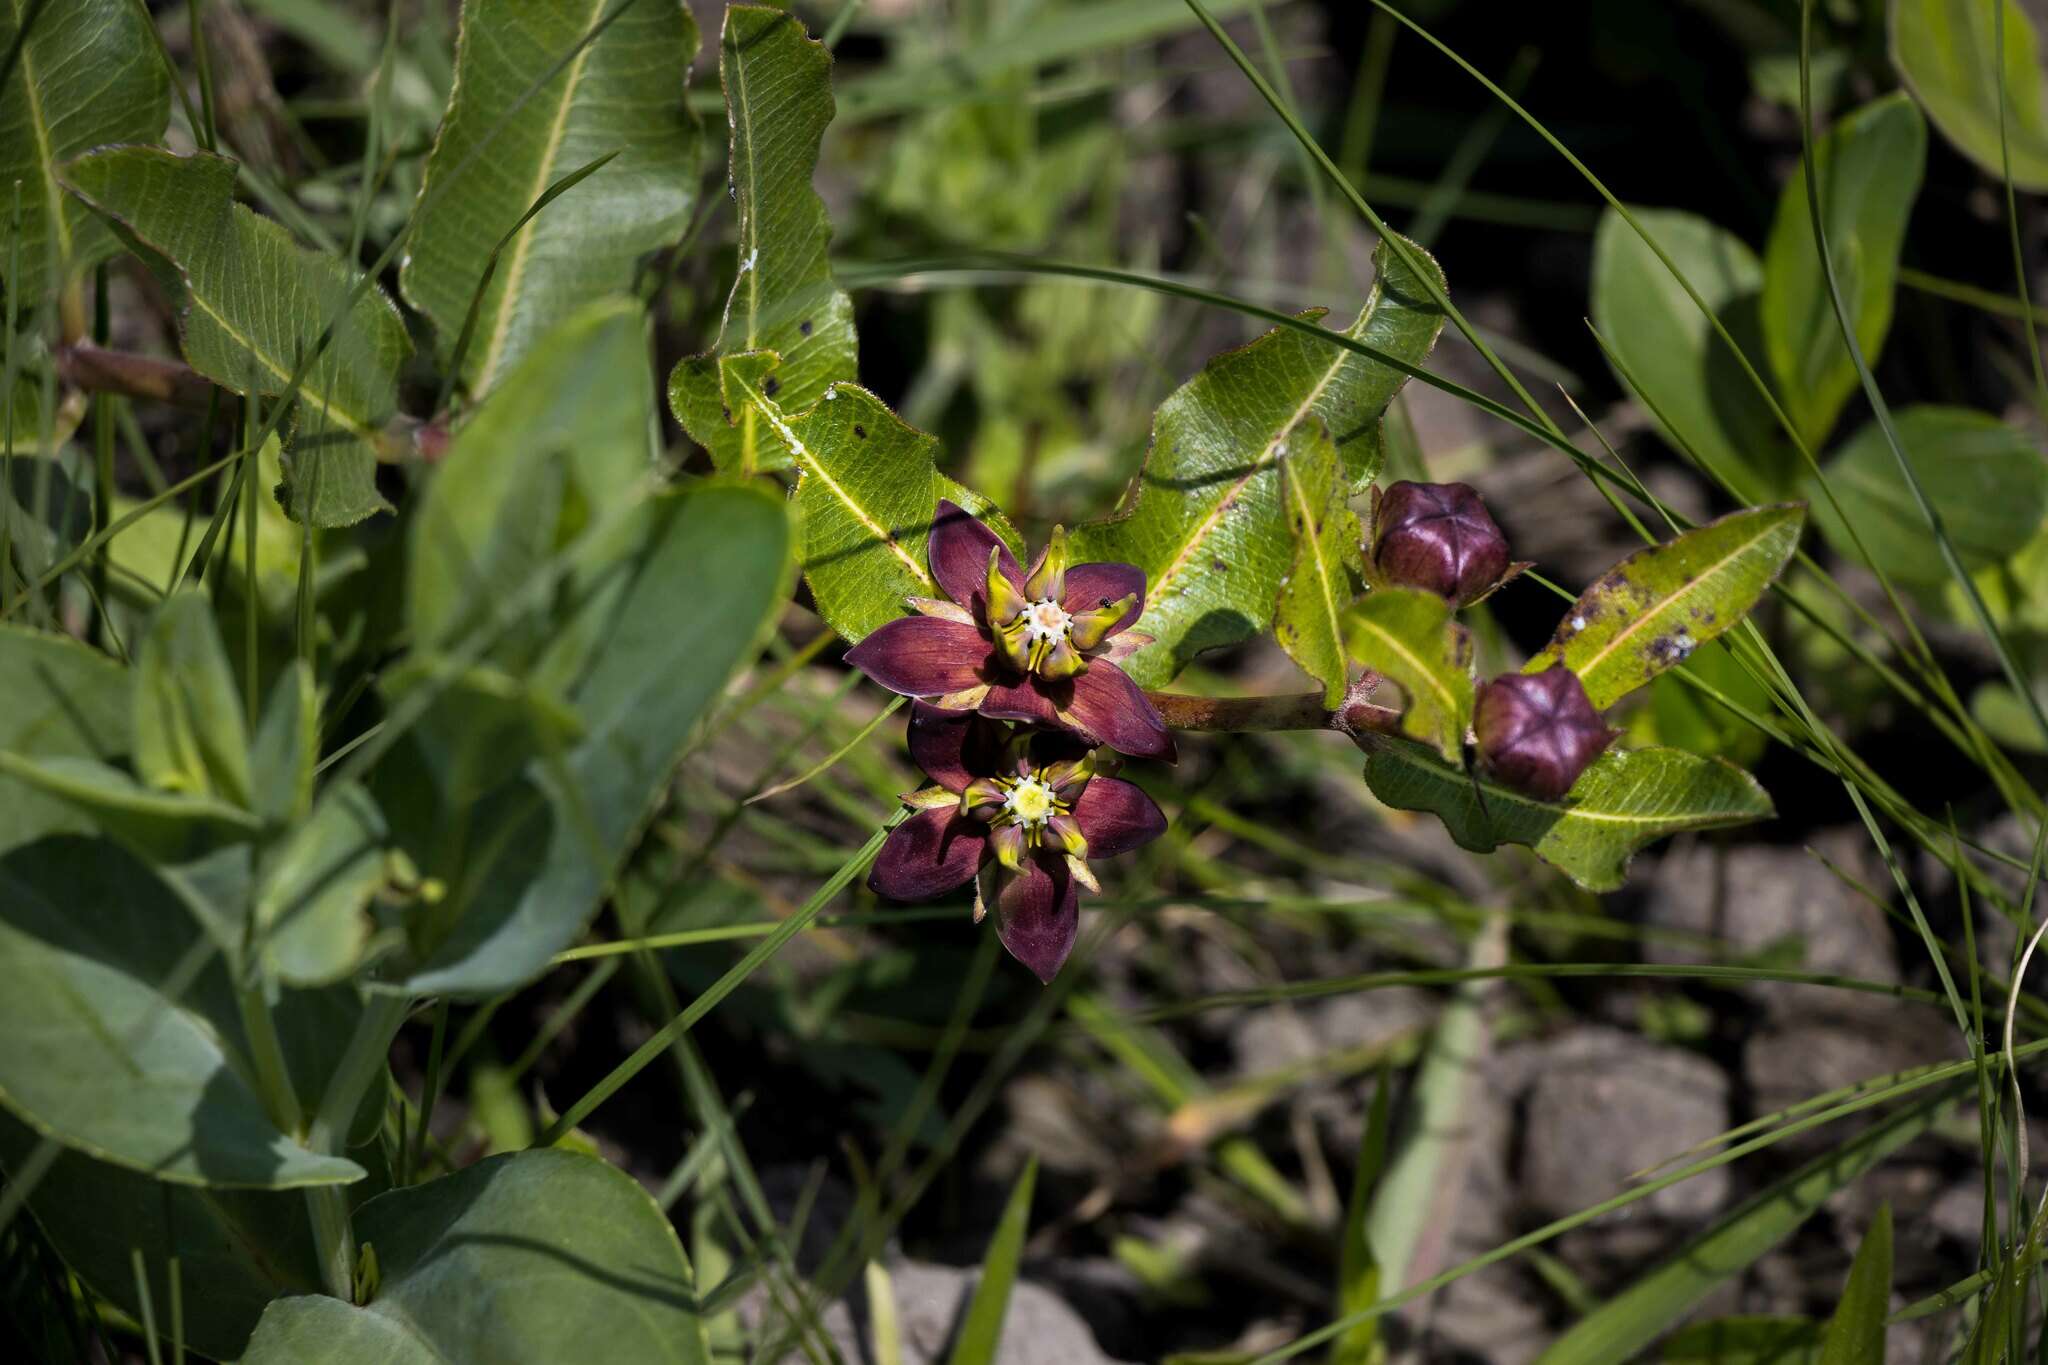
x=804 y=327
x=860 y=431
x=771 y=386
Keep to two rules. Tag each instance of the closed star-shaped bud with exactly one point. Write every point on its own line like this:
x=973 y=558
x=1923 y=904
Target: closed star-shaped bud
x=1538 y=731
x=1438 y=537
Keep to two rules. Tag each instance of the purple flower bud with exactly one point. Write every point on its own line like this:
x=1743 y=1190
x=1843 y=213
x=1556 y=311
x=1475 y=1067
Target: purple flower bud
x=1537 y=731
x=1439 y=537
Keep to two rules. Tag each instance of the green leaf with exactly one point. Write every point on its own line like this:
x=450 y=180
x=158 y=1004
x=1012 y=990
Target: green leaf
x=528 y=1257
x=1623 y=1326
x=1654 y=608
x=981 y=1332
x=1947 y=53
x=1408 y=636
x=1329 y=560
x=236 y=1249
x=865 y=493
x=190 y=736
x=313 y=906
x=642 y=640
x=1624 y=801
x=624 y=92
x=1685 y=718
x=99 y=1056
x=1358 y=1268
x=1987 y=480
x=286 y=749
x=251 y=306
x=63 y=700
x=1868 y=169
x=1856 y=1332
x=562 y=441
x=1745 y=1341
x=165 y=826
x=778 y=100
x=1668 y=348
x=1206 y=518
x=88 y=75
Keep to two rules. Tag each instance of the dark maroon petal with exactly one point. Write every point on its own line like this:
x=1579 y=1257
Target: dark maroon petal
x=958 y=555
x=1038 y=916
x=922 y=656
x=1027 y=701
x=928 y=855
x=1116 y=817
x=1110 y=709
x=938 y=741
x=1097 y=585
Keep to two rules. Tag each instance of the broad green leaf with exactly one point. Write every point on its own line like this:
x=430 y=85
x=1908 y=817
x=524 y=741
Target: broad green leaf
x=1668 y=348
x=1986 y=479
x=286 y=748
x=1407 y=635
x=88 y=75
x=190 y=735
x=1358 y=1267
x=981 y=1332
x=236 y=1249
x=1629 y=1322
x=653 y=621
x=165 y=826
x=1856 y=1332
x=313 y=907
x=1868 y=170
x=99 y=1057
x=529 y=1257
x=1329 y=560
x=1624 y=801
x=778 y=100
x=1654 y=608
x=624 y=92
x=1947 y=53
x=865 y=493
x=1206 y=518
x=568 y=430
x=1745 y=1341
x=63 y=700
x=251 y=305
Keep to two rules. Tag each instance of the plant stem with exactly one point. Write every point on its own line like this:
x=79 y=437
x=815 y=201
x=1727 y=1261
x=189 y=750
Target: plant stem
x=1356 y=715
x=360 y=1065
x=266 y=1054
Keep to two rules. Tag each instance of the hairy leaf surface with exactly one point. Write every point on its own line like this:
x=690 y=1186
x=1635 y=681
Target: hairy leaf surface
x=865 y=493
x=499 y=149
x=1206 y=518
x=251 y=306
x=1410 y=637
x=1329 y=560
x=1654 y=608
x=87 y=76
x=778 y=101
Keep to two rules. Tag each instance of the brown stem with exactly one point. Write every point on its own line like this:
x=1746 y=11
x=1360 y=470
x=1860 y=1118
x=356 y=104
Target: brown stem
x=95 y=369
x=1357 y=715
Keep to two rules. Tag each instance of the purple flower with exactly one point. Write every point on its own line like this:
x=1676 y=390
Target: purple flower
x=1439 y=537
x=1029 y=809
x=1039 y=647
x=1538 y=731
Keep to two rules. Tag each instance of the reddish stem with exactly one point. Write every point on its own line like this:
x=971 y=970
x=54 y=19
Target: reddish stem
x=1357 y=715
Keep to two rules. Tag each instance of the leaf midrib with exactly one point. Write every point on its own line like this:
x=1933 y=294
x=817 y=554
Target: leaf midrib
x=522 y=245
x=1312 y=545
x=1515 y=798
x=1165 y=583
x=1703 y=577
x=48 y=156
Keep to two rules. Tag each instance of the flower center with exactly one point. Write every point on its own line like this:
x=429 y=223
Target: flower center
x=1046 y=620
x=1030 y=802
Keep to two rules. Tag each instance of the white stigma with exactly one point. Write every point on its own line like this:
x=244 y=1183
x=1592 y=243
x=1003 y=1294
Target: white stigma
x=1029 y=803
x=1046 y=620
